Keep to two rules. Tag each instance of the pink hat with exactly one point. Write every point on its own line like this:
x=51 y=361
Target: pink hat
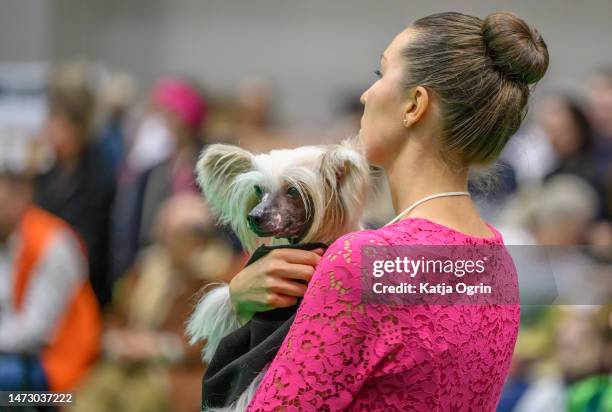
x=181 y=98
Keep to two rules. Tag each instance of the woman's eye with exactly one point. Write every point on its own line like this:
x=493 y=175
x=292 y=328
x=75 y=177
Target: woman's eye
x=378 y=73
x=258 y=191
x=293 y=191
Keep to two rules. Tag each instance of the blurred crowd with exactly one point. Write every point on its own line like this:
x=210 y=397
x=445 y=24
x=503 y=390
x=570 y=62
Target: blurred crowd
x=106 y=243
x=555 y=192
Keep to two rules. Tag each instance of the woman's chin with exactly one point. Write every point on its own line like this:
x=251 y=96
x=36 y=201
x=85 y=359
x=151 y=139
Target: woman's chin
x=360 y=135
x=362 y=139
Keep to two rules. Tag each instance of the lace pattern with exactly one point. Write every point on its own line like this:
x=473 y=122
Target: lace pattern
x=341 y=354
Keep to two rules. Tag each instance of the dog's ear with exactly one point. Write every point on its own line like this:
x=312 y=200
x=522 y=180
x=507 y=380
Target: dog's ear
x=346 y=176
x=345 y=164
x=216 y=170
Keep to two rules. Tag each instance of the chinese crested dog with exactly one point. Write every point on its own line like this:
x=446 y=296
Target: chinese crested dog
x=288 y=196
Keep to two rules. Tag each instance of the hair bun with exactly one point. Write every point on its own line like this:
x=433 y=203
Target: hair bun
x=518 y=50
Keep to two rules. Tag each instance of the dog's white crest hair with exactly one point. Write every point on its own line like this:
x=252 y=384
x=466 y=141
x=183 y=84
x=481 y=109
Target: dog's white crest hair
x=333 y=177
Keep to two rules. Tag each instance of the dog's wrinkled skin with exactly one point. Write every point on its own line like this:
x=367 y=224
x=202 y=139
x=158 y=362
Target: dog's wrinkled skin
x=281 y=214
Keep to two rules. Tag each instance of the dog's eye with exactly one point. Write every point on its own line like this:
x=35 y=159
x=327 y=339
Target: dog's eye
x=258 y=192
x=293 y=191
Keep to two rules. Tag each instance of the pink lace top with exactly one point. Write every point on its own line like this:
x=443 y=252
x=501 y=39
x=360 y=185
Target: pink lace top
x=341 y=354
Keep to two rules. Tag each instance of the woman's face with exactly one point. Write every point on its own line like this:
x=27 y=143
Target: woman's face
x=382 y=131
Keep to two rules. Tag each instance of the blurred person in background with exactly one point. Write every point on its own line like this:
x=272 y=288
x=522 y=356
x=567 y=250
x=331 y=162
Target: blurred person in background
x=577 y=152
x=565 y=129
x=254 y=126
x=559 y=141
x=148 y=365
x=49 y=318
x=80 y=186
x=562 y=211
x=558 y=218
x=575 y=376
x=159 y=164
x=115 y=98
x=600 y=114
x=562 y=273
x=254 y=107
x=570 y=136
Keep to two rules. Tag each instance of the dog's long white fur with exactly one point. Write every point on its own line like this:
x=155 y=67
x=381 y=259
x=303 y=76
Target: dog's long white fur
x=213 y=319
x=227 y=175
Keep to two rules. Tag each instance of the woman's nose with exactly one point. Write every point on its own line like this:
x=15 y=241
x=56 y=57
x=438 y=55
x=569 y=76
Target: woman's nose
x=362 y=99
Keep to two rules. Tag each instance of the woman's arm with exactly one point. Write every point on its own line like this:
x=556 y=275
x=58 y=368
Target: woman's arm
x=332 y=346
x=274 y=281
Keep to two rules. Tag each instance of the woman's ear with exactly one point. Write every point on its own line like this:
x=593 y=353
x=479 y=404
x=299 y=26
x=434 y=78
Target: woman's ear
x=216 y=169
x=417 y=105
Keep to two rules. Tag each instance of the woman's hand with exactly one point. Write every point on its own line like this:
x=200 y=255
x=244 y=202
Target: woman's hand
x=274 y=281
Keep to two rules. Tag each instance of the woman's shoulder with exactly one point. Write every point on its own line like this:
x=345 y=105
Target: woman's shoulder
x=352 y=242
x=421 y=231
x=412 y=231
x=348 y=248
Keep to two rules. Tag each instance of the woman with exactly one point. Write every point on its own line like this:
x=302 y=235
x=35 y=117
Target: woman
x=452 y=90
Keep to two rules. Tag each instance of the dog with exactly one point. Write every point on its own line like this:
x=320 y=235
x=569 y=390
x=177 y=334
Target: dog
x=286 y=196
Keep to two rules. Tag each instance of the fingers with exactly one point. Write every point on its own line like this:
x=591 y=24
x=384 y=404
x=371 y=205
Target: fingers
x=285 y=287
x=281 y=301
x=282 y=276
x=291 y=271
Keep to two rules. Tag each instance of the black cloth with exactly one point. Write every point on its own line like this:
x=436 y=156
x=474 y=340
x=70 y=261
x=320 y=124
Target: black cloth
x=242 y=354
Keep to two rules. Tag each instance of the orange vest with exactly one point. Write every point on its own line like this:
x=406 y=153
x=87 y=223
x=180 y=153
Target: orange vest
x=76 y=338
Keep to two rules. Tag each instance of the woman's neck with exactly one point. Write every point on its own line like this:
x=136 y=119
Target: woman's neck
x=417 y=173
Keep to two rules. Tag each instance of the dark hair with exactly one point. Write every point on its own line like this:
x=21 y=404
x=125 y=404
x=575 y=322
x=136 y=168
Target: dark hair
x=76 y=102
x=580 y=119
x=480 y=70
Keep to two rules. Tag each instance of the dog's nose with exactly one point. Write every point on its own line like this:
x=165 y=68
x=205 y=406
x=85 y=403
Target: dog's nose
x=254 y=220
